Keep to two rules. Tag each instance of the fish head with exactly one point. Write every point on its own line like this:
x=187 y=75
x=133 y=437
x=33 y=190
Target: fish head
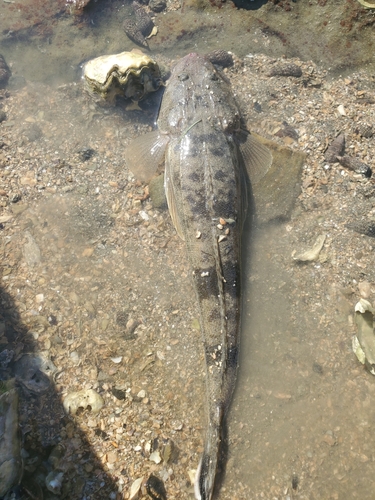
x=197 y=89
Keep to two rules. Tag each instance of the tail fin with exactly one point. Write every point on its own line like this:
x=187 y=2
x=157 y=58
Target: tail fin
x=206 y=473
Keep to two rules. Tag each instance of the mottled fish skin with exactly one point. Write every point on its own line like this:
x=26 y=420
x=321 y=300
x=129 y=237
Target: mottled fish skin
x=204 y=181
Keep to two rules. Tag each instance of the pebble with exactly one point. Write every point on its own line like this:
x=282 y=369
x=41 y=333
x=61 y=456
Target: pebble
x=157 y=5
x=335 y=149
x=5 y=73
x=287 y=69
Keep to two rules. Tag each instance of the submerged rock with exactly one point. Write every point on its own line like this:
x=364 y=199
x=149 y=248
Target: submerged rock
x=5 y=72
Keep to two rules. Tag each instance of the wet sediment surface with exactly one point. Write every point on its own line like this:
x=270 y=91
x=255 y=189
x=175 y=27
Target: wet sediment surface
x=95 y=277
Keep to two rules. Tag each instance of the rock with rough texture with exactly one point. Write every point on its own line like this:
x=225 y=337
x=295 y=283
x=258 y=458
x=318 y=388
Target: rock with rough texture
x=288 y=69
x=5 y=72
x=335 y=149
x=221 y=58
x=157 y=5
x=10 y=443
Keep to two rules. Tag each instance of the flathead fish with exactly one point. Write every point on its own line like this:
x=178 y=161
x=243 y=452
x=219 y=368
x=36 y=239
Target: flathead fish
x=207 y=156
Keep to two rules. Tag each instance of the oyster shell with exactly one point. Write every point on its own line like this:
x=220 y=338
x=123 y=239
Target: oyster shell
x=369 y=4
x=130 y=74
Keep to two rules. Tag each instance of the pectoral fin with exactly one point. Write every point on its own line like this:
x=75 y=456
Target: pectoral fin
x=145 y=153
x=172 y=203
x=257 y=156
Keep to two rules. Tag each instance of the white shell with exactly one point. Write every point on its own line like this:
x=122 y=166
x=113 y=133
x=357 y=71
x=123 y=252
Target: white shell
x=83 y=399
x=132 y=74
x=135 y=487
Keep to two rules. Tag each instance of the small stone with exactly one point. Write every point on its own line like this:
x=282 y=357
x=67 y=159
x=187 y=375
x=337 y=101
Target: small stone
x=5 y=72
x=111 y=457
x=118 y=394
x=335 y=149
x=157 y=5
x=135 y=487
x=364 y=288
x=288 y=69
x=221 y=58
x=329 y=439
x=74 y=356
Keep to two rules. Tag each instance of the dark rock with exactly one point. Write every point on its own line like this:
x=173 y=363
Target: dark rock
x=257 y=107
x=288 y=69
x=86 y=153
x=221 y=58
x=335 y=149
x=5 y=72
x=121 y=395
x=157 y=5
x=363 y=227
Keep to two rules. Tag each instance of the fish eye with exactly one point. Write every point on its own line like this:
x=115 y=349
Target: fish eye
x=214 y=77
x=183 y=77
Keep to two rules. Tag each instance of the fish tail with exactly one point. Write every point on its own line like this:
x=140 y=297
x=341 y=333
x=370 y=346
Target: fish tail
x=206 y=472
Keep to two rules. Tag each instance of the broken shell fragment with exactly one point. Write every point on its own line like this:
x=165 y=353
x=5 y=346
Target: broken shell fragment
x=128 y=74
x=135 y=487
x=363 y=343
x=155 y=457
x=54 y=482
x=369 y=4
x=169 y=450
x=86 y=399
x=312 y=254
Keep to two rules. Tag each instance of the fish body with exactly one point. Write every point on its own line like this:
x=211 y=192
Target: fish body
x=200 y=137
x=203 y=183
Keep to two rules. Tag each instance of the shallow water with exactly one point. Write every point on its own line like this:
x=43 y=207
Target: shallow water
x=300 y=423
